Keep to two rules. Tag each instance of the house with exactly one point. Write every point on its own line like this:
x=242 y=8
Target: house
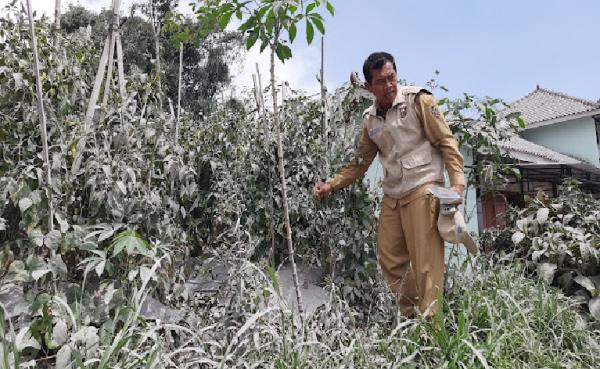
x=561 y=139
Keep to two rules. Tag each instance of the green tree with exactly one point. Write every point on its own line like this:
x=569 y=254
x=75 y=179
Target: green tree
x=206 y=63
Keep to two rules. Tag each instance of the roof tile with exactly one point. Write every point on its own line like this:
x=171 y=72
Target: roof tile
x=543 y=104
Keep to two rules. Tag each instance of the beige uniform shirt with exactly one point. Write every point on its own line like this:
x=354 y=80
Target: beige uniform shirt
x=437 y=133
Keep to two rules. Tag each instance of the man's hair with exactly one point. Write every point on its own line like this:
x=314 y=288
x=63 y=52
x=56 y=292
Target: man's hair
x=376 y=61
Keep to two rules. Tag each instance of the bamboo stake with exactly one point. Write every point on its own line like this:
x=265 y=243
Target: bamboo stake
x=92 y=104
x=57 y=14
x=89 y=115
x=40 y=98
x=283 y=97
x=179 y=93
x=260 y=94
x=91 y=109
x=256 y=98
x=324 y=107
x=108 y=82
x=120 y=68
x=286 y=214
x=262 y=112
x=111 y=52
x=156 y=33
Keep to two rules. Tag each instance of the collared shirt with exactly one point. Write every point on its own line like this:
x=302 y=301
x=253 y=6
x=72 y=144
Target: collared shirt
x=436 y=130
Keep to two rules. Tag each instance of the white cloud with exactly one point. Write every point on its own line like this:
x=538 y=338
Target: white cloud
x=300 y=71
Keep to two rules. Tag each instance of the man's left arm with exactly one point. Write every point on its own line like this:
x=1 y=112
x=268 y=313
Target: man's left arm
x=440 y=136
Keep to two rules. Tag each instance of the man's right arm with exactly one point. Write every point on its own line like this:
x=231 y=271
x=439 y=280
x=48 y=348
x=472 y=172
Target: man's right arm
x=367 y=150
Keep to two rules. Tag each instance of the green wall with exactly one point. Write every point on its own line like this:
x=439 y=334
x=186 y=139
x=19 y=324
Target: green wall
x=575 y=138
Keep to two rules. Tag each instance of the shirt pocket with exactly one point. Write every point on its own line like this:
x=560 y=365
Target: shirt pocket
x=417 y=160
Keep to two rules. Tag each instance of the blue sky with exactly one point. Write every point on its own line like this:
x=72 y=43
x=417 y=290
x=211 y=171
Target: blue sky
x=495 y=48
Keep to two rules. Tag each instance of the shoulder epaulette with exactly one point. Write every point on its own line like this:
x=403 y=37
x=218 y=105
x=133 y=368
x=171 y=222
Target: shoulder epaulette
x=406 y=90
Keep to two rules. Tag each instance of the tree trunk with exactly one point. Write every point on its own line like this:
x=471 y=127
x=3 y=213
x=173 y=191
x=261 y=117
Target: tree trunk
x=40 y=98
x=286 y=215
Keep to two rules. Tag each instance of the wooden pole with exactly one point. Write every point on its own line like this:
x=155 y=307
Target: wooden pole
x=91 y=109
x=156 y=32
x=179 y=93
x=40 y=98
x=284 y=200
x=262 y=112
x=120 y=68
x=108 y=82
x=92 y=104
x=324 y=108
x=111 y=52
x=256 y=98
x=57 y=14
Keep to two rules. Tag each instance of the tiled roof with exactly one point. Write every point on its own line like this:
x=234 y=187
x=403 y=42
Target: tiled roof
x=543 y=105
x=521 y=149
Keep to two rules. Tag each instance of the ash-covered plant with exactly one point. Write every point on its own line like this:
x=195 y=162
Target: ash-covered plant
x=492 y=317
x=338 y=234
x=480 y=127
x=559 y=238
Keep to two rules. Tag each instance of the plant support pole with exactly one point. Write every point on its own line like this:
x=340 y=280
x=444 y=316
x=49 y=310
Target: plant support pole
x=57 y=14
x=120 y=68
x=38 y=85
x=262 y=112
x=324 y=113
x=286 y=214
x=179 y=93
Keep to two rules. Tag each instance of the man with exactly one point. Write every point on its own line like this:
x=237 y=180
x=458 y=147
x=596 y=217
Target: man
x=414 y=143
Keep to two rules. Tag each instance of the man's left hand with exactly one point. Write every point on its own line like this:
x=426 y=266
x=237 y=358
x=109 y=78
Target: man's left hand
x=459 y=189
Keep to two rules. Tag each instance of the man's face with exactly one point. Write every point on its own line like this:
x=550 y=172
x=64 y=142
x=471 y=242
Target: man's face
x=384 y=85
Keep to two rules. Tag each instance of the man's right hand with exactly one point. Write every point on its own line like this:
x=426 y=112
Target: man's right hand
x=321 y=190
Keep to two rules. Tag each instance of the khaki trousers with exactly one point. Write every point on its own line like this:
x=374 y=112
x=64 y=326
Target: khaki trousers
x=411 y=251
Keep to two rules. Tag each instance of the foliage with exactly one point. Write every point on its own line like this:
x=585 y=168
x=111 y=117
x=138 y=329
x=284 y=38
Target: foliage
x=272 y=22
x=144 y=214
x=559 y=239
x=206 y=69
x=140 y=205
x=480 y=126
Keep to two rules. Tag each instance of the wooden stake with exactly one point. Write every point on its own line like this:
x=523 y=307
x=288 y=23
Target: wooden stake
x=57 y=14
x=108 y=82
x=179 y=93
x=91 y=109
x=256 y=98
x=324 y=110
x=156 y=33
x=286 y=214
x=40 y=98
x=120 y=68
x=260 y=93
x=92 y=104
x=262 y=112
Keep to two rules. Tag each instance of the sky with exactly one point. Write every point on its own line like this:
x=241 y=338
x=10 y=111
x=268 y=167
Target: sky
x=487 y=48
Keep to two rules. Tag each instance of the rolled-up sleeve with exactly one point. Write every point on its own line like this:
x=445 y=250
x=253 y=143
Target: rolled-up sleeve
x=367 y=150
x=439 y=134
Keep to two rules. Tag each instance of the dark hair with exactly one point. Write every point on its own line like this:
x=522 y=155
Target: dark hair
x=376 y=61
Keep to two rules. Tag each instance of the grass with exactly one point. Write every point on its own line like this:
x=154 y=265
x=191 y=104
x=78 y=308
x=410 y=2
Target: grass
x=492 y=317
